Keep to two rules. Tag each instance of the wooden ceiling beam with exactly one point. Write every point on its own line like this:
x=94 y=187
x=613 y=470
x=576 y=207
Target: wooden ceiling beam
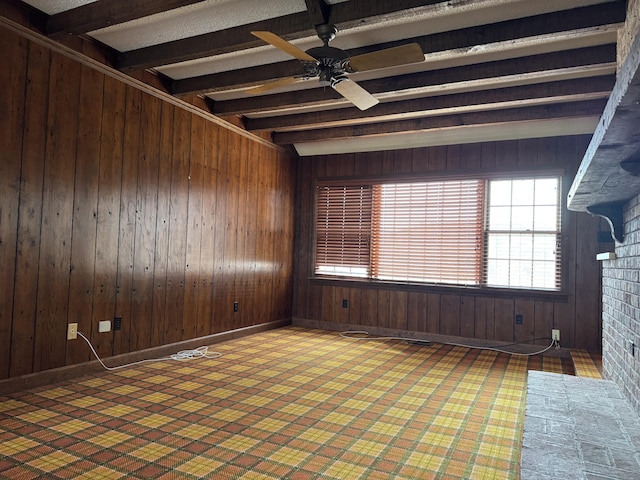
x=583 y=57
x=560 y=30
x=556 y=92
x=104 y=13
x=289 y=27
x=319 y=11
x=561 y=110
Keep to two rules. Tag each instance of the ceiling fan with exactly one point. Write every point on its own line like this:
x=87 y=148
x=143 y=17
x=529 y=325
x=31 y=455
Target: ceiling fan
x=331 y=65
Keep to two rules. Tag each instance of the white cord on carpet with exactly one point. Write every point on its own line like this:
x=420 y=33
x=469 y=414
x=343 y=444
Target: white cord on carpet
x=200 y=352
x=348 y=334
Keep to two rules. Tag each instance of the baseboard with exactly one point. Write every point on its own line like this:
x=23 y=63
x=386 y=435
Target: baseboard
x=70 y=372
x=429 y=337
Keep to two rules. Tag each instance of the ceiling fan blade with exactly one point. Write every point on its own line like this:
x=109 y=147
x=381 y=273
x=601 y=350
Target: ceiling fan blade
x=390 y=57
x=283 y=45
x=281 y=82
x=354 y=93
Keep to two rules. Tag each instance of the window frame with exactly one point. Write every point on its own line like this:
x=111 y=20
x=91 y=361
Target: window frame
x=480 y=289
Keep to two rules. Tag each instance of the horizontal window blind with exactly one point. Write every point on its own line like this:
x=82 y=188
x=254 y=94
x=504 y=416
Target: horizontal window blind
x=343 y=230
x=428 y=231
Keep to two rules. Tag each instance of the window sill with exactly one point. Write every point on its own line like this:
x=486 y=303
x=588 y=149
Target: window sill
x=478 y=291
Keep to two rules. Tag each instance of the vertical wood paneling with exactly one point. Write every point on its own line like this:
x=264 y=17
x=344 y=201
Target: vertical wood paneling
x=163 y=220
x=194 y=229
x=328 y=303
x=127 y=219
x=176 y=262
x=587 y=332
x=340 y=313
x=57 y=213
x=384 y=309
x=220 y=307
x=543 y=322
x=369 y=307
x=467 y=316
x=506 y=155
x=111 y=199
x=564 y=313
x=85 y=213
x=488 y=155
x=453 y=157
x=12 y=105
x=108 y=209
x=438 y=159
x=29 y=214
x=471 y=156
x=205 y=293
x=263 y=253
x=231 y=233
x=417 y=312
x=526 y=331
x=355 y=302
x=450 y=314
x=403 y=162
x=398 y=305
x=241 y=285
x=146 y=213
x=433 y=313
x=504 y=319
x=484 y=318
x=420 y=160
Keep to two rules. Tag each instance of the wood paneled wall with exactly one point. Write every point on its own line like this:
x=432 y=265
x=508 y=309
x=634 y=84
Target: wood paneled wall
x=456 y=312
x=116 y=203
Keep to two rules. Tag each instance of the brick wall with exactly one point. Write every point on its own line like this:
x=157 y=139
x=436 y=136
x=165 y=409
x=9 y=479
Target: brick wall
x=621 y=309
x=630 y=29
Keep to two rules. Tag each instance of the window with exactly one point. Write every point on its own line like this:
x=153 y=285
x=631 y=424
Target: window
x=502 y=232
x=523 y=233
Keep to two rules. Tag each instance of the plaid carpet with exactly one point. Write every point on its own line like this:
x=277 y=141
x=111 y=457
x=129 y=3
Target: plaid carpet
x=290 y=403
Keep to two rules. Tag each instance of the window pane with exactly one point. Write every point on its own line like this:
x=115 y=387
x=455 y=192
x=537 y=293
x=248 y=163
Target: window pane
x=500 y=218
x=522 y=218
x=546 y=191
x=522 y=192
x=546 y=218
x=500 y=193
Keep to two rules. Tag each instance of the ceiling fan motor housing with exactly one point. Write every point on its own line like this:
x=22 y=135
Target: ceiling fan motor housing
x=331 y=62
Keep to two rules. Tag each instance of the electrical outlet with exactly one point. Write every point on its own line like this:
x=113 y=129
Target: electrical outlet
x=345 y=303
x=72 y=331
x=518 y=319
x=235 y=306
x=117 y=323
x=555 y=335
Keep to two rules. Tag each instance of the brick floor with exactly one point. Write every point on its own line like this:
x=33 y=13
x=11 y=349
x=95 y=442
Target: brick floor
x=578 y=428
